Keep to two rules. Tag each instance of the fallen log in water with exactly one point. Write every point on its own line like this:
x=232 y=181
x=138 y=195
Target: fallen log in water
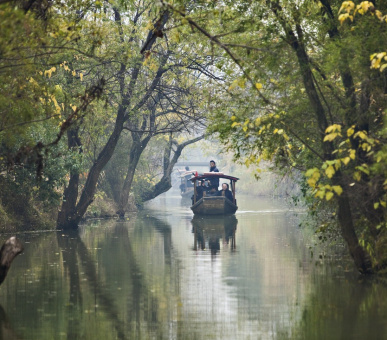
x=10 y=249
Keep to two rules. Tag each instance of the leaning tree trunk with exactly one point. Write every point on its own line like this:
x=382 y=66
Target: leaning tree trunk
x=165 y=183
x=134 y=156
x=70 y=219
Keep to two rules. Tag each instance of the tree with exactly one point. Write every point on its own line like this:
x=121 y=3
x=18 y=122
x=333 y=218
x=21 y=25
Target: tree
x=175 y=107
x=35 y=112
x=127 y=80
x=313 y=103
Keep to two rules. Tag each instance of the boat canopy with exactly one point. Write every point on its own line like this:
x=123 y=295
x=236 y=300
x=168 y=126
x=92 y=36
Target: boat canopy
x=187 y=173
x=213 y=174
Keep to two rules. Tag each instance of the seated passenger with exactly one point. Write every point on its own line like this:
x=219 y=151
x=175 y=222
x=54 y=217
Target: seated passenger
x=214 y=192
x=227 y=192
x=200 y=189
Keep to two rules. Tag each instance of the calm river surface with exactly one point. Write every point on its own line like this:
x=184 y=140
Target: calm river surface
x=165 y=275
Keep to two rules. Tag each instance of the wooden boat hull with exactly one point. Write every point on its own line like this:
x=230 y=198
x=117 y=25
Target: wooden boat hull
x=217 y=205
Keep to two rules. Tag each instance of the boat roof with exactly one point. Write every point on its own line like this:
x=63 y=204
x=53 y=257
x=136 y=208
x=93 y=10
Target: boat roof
x=186 y=173
x=213 y=174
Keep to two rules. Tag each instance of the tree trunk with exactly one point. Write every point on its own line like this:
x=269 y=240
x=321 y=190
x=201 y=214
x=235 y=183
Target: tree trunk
x=362 y=261
x=165 y=182
x=71 y=218
x=134 y=156
x=70 y=194
x=358 y=254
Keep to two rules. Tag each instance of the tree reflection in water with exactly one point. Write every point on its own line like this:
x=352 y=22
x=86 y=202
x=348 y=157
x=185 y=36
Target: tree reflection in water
x=144 y=279
x=142 y=304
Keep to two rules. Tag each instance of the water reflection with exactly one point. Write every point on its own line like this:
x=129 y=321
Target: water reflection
x=6 y=330
x=209 y=230
x=167 y=275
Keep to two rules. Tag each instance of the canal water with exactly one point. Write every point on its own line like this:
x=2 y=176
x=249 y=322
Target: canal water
x=166 y=275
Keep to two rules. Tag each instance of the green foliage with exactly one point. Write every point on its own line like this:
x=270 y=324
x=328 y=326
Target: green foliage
x=304 y=97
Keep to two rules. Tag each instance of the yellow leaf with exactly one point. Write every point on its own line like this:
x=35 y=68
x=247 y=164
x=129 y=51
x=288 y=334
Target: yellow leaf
x=329 y=195
x=337 y=164
x=346 y=160
x=312 y=182
x=376 y=205
x=233 y=118
x=333 y=128
x=74 y=107
x=330 y=171
x=235 y=124
x=258 y=86
x=331 y=137
x=337 y=189
x=347 y=6
x=352 y=154
x=343 y=17
x=361 y=135
x=310 y=172
x=81 y=76
x=275 y=131
x=383 y=203
x=320 y=193
x=357 y=176
x=351 y=131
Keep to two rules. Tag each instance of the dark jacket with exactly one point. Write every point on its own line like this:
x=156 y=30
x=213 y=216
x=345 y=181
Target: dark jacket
x=228 y=194
x=214 y=181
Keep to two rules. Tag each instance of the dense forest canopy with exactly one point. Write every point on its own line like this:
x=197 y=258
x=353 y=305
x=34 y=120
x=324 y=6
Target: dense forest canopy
x=88 y=88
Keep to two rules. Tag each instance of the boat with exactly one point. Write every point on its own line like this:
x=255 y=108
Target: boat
x=186 y=186
x=214 y=204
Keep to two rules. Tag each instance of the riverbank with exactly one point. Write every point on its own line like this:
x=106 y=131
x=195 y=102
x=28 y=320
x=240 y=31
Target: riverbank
x=29 y=215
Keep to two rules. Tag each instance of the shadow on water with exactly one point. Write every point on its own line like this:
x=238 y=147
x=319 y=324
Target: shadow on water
x=209 y=230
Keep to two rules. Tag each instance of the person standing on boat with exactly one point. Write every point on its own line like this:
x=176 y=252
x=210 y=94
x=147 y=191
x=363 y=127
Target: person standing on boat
x=214 y=181
x=213 y=167
x=227 y=192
